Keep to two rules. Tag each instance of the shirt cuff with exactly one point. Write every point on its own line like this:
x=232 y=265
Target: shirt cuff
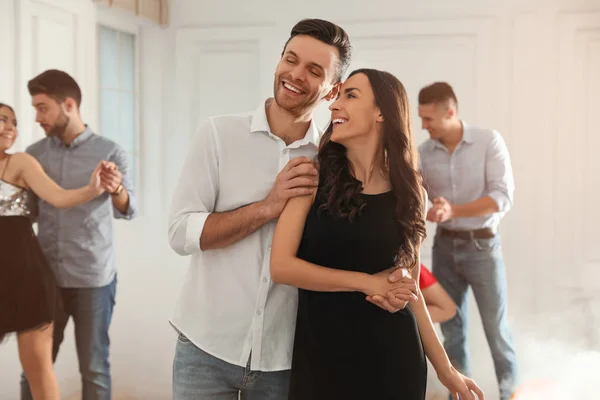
x=501 y=200
x=194 y=226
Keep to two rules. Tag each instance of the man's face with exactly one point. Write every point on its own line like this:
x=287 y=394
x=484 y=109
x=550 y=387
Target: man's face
x=51 y=115
x=305 y=74
x=435 y=118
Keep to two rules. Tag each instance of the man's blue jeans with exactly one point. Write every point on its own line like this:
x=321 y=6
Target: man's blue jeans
x=458 y=264
x=92 y=311
x=199 y=375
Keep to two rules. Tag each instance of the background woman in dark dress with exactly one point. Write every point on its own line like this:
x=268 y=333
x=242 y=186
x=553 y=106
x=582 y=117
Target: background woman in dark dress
x=366 y=218
x=28 y=291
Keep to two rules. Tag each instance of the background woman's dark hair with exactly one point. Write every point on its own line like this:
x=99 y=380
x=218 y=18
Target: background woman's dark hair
x=7 y=106
x=328 y=33
x=340 y=190
x=2 y=105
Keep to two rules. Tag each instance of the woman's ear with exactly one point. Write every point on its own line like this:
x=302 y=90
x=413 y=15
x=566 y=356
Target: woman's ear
x=379 y=116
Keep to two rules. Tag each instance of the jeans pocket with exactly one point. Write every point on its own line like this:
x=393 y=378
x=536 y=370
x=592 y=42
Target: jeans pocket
x=486 y=244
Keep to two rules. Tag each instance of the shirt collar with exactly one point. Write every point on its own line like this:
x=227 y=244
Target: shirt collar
x=467 y=136
x=261 y=124
x=80 y=139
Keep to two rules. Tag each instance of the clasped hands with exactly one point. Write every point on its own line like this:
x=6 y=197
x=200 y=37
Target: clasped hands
x=441 y=210
x=110 y=176
x=392 y=291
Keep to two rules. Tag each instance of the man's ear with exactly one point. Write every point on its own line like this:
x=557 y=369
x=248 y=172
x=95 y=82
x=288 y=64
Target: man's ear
x=70 y=104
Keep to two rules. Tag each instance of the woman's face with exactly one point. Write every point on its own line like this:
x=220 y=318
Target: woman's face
x=8 y=128
x=354 y=114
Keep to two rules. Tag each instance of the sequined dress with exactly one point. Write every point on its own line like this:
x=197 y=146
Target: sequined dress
x=28 y=290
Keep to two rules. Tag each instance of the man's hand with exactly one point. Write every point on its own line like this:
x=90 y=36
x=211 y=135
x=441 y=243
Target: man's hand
x=398 y=298
x=298 y=178
x=441 y=211
x=110 y=176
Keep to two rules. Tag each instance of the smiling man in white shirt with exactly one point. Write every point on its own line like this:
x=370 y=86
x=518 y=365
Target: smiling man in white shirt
x=235 y=326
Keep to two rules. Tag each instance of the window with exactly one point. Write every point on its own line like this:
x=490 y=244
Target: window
x=118 y=91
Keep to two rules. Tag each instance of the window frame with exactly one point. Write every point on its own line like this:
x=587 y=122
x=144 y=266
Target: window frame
x=120 y=21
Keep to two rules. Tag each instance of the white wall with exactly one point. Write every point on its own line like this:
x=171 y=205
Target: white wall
x=525 y=68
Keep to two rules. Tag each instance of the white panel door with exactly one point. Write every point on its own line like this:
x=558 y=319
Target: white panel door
x=55 y=34
x=7 y=61
x=219 y=70
x=576 y=269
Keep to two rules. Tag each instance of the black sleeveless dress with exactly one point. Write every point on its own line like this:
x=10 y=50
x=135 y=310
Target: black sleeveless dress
x=344 y=346
x=28 y=290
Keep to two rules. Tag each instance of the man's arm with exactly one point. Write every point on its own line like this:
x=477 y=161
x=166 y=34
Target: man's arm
x=500 y=183
x=226 y=228
x=478 y=208
x=500 y=187
x=297 y=178
x=119 y=183
x=196 y=192
x=193 y=224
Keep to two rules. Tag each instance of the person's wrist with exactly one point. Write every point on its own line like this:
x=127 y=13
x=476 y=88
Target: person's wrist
x=366 y=284
x=445 y=370
x=266 y=208
x=118 y=190
x=454 y=211
x=92 y=189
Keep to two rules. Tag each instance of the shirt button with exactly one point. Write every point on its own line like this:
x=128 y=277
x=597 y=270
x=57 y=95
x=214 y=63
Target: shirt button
x=259 y=312
x=265 y=279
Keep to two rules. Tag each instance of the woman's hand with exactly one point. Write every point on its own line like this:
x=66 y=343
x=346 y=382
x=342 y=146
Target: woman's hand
x=460 y=387
x=398 y=298
x=379 y=285
x=95 y=181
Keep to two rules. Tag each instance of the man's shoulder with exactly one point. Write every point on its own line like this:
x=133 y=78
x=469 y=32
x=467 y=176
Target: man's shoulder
x=104 y=144
x=483 y=134
x=227 y=121
x=426 y=145
x=38 y=147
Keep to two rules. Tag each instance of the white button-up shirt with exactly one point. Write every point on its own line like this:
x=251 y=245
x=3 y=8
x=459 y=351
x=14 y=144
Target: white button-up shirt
x=228 y=305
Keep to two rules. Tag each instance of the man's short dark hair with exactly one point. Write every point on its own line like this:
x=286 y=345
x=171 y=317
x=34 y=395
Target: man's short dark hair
x=437 y=93
x=328 y=33
x=57 y=84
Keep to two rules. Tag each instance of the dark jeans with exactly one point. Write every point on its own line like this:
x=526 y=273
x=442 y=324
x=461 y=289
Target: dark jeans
x=92 y=311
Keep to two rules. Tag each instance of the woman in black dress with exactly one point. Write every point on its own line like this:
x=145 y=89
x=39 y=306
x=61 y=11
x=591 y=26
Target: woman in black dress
x=28 y=291
x=339 y=245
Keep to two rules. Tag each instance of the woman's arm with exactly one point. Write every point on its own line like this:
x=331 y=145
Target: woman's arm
x=45 y=188
x=447 y=374
x=439 y=304
x=288 y=269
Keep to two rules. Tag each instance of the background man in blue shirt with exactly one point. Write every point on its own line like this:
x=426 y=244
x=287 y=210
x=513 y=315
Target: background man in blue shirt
x=468 y=175
x=78 y=242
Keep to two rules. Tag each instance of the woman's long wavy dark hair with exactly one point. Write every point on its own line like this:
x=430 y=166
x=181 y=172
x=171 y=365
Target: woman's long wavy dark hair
x=340 y=190
x=7 y=106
